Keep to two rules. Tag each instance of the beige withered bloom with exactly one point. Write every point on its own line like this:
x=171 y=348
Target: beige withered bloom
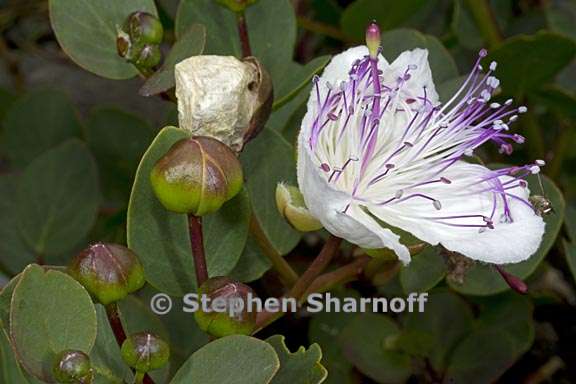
x=223 y=97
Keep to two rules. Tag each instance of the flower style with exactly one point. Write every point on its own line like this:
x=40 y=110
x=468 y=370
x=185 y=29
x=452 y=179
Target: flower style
x=378 y=152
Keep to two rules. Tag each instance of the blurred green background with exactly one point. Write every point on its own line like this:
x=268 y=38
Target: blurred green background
x=70 y=143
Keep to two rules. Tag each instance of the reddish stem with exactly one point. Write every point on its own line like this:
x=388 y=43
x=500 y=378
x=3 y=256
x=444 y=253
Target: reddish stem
x=118 y=329
x=197 y=245
x=243 y=32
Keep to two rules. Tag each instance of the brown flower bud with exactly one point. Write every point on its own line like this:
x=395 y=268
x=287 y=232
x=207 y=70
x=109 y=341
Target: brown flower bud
x=108 y=271
x=197 y=176
x=233 y=318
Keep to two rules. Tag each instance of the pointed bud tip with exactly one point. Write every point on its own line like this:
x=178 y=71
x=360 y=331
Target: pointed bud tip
x=513 y=282
x=373 y=39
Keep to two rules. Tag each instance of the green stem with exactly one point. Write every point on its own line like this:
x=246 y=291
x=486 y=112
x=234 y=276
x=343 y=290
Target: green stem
x=305 y=281
x=322 y=29
x=287 y=274
x=345 y=274
x=486 y=22
x=139 y=377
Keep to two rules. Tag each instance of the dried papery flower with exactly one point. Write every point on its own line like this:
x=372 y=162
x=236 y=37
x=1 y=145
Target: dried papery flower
x=196 y=176
x=108 y=271
x=234 y=317
x=223 y=97
x=378 y=151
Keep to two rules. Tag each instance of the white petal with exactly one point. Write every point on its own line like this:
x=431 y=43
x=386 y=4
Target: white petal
x=506 y=243
x=328 y=205
x=420 y=74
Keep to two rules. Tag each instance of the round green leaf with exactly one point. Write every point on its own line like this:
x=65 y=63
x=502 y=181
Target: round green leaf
x=483 y=279
x=87 y=30
x=302 y=366
x=232 y=359
x=424 y=271
x=118 y=141
x=58 y=198
x=441 y=62
x=161 y=238
x=364 y=341
x=67 y=321
x=262 y=178
x=526 y=62
x=442 y=309
x=15 y=253
x=387 y=13
x=252 y=263
x=36 y=123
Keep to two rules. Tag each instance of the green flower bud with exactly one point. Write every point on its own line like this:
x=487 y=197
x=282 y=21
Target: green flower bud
x=144 y=28
x=108 y=271
x=73 y=367
x=123 y=44
x=228 y=308
x=197 y=176
x=236 y=5
x=290 y=203
x=149 y=56
x=145 y=351
x=223 y=97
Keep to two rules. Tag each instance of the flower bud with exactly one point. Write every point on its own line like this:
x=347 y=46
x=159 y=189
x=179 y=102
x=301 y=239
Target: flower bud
x=149 y=56
x=373 y=39
x=123 y=45
x=108 y=271
x=145 y=351
x=237 y=6
x=196 y=176
x=227 y=310
x=290 y=203
x=144 y=28
x=73 y=367
x=223 y=97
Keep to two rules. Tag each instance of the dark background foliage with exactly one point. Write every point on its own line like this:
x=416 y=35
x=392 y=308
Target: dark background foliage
x=71 y=142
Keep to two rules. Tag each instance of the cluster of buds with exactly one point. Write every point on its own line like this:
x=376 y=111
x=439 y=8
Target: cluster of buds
x=138 y=41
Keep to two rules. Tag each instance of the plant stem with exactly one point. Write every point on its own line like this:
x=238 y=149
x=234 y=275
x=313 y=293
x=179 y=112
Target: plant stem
x=119 y=333
x=322 y=29
x=347 y=273
x=485 y=21
x=139 y=378
x=317 y=267
x=243 y=33
x=115 y=323
x=305 y=281
x=197 y=245
x=287 y=274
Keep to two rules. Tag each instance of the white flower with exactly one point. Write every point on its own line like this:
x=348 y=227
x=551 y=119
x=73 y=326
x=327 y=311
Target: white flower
x=378 y=152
